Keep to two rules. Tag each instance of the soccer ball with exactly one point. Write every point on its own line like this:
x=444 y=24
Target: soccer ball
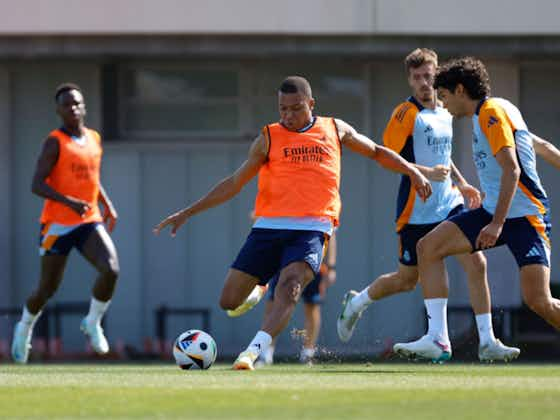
x=194 y=349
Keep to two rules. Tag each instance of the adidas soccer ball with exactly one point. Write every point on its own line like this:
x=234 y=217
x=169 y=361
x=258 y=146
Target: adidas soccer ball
x=194 y=349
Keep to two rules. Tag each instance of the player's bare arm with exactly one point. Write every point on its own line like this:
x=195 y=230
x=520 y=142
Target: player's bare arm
x=45 y=164
x=385 y=157
x=110 y=215
x=546 y=150
x=508 y=184
x=223 y=191
x=471 y=194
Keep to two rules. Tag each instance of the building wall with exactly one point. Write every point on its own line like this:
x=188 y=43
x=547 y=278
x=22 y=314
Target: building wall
x=149 y=178
x=321 y=17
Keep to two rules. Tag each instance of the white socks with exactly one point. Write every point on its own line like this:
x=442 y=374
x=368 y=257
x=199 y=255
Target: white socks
x=437 y=318
x=260 y=343
x=28 y=319
x=96 y=311
x=360 y=301
x=485 y=330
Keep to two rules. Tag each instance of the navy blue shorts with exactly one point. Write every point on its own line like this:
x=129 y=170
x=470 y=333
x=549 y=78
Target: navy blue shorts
x=310 y=293
x=409 y=236
x=267 y=251
x=528 y=238
x=56 y=239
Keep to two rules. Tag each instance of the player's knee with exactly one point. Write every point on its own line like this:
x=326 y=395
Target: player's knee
x=478 y=264
x=111 y=270
x=291 y=289
x=427 y=248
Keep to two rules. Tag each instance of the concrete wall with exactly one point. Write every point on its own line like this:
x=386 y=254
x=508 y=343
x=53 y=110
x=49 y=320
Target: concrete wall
x=271 y=17
x=150 y=179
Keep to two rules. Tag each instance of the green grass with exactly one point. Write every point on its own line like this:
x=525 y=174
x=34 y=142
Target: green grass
x=337 y=391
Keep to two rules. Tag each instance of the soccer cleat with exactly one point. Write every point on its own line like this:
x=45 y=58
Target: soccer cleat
x=96 y=337
x=425 y=348
x=245 y=361
x=496 y=350
x=347 y=319
x=254 y=297
x=307 y=356
x=21 y=343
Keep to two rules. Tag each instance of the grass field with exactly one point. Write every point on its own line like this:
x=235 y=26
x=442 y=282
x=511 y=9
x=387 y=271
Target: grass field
x=334 y=391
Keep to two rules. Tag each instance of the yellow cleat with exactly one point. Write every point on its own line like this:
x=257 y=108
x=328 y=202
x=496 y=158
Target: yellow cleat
x=254 y=297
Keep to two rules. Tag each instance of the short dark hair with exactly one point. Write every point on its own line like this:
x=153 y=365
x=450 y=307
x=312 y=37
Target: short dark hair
x=467 y=71
x=419 y=57
x=296 y=84
x=65 y=87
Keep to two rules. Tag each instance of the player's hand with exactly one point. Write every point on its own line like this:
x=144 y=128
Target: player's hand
x=79 y=206
x=439 y=173
x=421 y=184
x=489 y=235
x=176 y=220
x=472 y=196
x=110 y=217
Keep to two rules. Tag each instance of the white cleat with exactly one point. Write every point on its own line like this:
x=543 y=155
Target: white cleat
x=254 y=297
x=426 y=347
x=21 y=343
x=96 y=337
x=245 y=361
x=496 y=351
x=347 y=319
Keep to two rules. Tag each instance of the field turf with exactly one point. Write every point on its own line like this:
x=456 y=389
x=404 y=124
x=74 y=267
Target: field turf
x=330 y=391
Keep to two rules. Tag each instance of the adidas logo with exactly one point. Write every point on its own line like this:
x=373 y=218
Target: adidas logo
x=492 y=121
x=533 y=252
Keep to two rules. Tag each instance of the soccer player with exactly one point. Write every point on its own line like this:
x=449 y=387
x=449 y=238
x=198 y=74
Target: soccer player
x=67 y=176
x=514 y=211
x=297 y=206
x=421 y=131
x=313 y=296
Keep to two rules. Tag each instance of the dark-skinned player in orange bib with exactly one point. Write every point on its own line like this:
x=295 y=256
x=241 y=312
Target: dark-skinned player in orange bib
x=297 y=207
x=67 y=176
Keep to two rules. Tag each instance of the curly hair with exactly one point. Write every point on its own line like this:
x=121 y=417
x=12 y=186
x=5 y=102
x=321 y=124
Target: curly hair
x=467 y=71
x=419 y=57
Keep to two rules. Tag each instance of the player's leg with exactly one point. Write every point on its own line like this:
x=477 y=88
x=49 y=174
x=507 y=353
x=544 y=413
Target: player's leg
x=52 y=270
x=535 y=287
x=95 y=244
x=354 y=303
x=446 y=239
x=267 y=356
x=490 y=348
x=257 y=262
x=55 y=244
x=403 y=280
x=312 y=324
x=302 y=252
x=312 y=300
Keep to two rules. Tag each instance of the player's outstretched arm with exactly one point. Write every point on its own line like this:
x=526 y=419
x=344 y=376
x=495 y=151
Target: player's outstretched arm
x=223 y=190
x=45 y=164
x=546 y=150
x=385 y=157
x=471 y=194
